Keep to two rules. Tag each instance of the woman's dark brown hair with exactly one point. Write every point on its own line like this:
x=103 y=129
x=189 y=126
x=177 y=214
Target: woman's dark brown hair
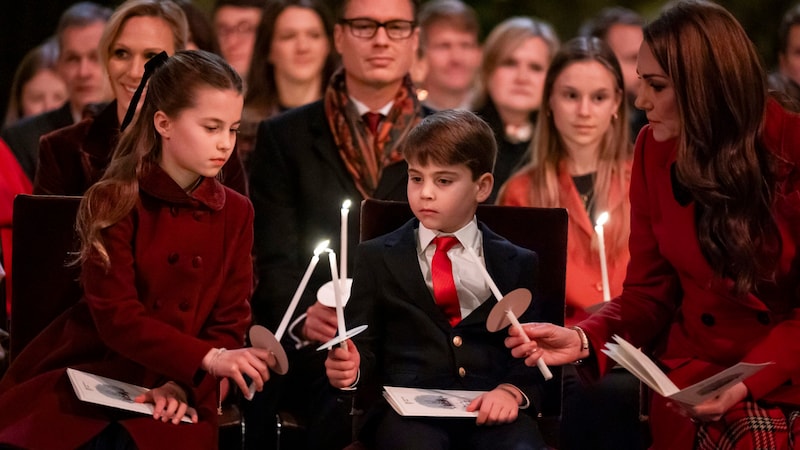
x=262 y=91
x=721 y=92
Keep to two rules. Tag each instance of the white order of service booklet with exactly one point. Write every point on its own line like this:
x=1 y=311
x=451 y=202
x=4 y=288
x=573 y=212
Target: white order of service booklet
x=631 y=358
x=108 y=392
x=416 y=402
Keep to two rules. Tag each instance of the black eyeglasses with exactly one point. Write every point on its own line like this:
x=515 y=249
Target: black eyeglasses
x=367 y=28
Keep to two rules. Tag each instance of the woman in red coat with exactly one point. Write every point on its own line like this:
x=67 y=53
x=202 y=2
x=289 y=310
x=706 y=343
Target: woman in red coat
x=167 y=275
x=13 y=181
x=715 y=222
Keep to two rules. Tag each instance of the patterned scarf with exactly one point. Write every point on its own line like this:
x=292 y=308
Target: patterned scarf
x=363 y=154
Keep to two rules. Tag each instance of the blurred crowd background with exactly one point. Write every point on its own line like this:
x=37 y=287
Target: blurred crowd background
x=26 y=23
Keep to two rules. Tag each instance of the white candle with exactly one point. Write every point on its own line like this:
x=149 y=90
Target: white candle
x=601 y=245
x=300 y=289
x=539 y=362
x=337 y=294
x=509 y=314
x=343 y=237
x=485 y=273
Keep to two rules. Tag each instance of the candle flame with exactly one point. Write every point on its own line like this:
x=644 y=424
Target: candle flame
x=321 y=247
x=602 y=219
x=346 y=204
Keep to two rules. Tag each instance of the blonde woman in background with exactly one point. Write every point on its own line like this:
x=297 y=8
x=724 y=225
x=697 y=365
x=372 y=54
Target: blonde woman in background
x=73 y=158
x=516 y=56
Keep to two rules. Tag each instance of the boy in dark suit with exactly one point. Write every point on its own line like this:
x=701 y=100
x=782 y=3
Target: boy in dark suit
x=426 y=302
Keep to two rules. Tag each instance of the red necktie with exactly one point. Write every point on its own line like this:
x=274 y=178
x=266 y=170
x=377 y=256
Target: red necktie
x=373 y=120
x=444 y=287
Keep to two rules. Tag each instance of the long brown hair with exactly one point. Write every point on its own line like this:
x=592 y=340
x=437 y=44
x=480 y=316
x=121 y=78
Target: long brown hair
x=41 y=58
x=262 y=99
x=172 y=89
x=547 y=151
x=721 y=92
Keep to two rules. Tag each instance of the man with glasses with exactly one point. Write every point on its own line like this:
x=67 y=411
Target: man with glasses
x=235 y=22
x=306 y=162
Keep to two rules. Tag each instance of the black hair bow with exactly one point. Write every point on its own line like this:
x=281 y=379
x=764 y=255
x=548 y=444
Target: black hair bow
x=149 y=67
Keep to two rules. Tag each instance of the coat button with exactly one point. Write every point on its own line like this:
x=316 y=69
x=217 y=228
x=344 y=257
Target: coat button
x=172 y=258
x=763 y=318
x=157 y=304
x=599 y=286
x=197 y=262
x=457 y=341
x=707 y=319
x=184 y=306
x=174 y=211
x=198 y=215
x=462 y=372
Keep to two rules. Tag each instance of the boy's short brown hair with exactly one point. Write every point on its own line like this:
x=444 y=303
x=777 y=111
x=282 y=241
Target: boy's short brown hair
x=453 y=137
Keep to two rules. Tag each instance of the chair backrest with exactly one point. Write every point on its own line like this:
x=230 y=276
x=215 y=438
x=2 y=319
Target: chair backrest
x=543 y=230
x=44 y=241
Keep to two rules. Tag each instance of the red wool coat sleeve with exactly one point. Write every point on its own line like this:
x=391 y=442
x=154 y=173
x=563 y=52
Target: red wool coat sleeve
x=158 y=323
x=674 y=304
x=178 y=285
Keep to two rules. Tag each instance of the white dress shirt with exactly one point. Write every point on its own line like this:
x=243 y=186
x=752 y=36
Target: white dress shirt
x=471 y=287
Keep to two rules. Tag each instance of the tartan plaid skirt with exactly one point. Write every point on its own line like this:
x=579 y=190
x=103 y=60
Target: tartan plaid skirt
x=749 y=425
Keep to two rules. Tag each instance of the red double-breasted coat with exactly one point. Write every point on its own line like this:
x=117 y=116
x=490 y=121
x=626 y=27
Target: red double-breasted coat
x=671 y=300
x=178 y=286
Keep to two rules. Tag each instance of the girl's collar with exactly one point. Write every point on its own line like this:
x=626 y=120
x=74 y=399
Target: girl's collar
x=156 y=183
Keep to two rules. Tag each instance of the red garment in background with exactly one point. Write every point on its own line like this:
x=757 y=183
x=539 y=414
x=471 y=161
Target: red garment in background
x=13 y=181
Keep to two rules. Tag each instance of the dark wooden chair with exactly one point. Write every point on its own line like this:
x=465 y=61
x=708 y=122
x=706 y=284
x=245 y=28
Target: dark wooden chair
x=44 y=241
x=543 y=230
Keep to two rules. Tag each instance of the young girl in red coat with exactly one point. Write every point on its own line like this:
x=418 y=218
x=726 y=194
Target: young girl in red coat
x=166 y=273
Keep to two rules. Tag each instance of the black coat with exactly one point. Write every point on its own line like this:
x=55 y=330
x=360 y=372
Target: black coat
x=23 y=136
x=298 y=182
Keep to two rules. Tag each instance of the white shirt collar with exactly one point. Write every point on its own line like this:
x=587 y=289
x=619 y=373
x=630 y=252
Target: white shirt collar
x=468 y=235
x=363 y=109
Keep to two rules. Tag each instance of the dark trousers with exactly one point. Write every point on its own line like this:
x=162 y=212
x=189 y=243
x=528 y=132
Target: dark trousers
x=602 y=415
x=304 y=391
x=113 y=437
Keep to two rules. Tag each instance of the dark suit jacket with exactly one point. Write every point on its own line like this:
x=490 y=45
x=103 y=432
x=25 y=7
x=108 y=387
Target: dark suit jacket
x=74 y=158
x=510 y=155
x=409 y=341
x=297 y=184
x=23 y=136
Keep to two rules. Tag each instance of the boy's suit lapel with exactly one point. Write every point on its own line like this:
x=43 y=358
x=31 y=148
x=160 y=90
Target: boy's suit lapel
x=402 y=261
x=498 y=254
